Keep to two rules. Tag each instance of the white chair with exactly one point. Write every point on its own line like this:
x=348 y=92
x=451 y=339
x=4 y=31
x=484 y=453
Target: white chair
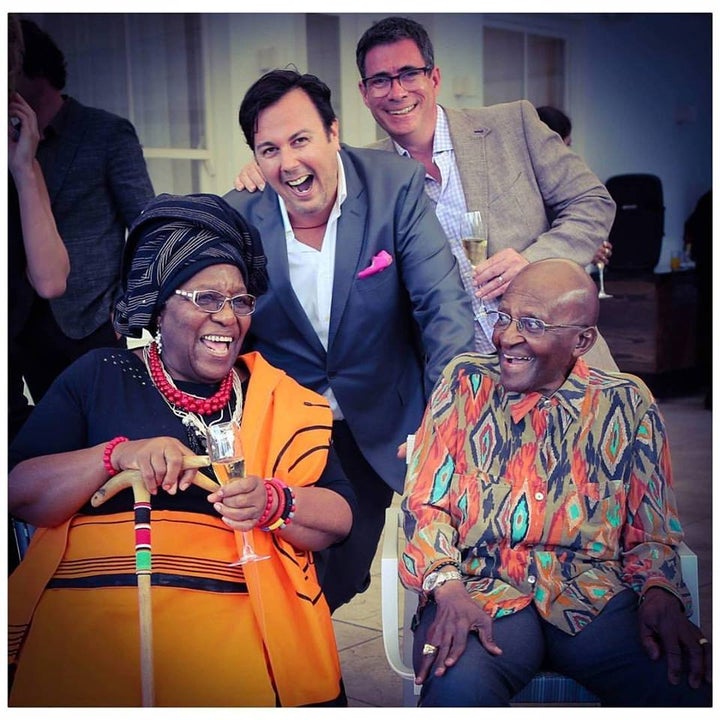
x=399 y=604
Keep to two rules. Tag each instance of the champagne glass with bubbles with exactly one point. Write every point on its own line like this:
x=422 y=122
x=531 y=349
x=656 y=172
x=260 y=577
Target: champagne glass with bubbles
x=474 y=238
x=228 y=461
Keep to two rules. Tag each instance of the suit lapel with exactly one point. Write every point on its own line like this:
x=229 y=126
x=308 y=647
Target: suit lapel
x=273 y=240
x=469 y=143
x=73 y=130
x=349 y=242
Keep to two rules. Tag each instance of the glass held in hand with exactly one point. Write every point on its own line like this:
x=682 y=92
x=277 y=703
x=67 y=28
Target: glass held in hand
x=228 y=461
x=474 y=238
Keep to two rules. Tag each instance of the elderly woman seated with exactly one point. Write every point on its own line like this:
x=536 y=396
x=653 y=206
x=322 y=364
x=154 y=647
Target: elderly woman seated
x=222 y=634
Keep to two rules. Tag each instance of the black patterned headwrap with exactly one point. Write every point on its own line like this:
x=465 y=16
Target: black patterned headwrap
x=174 y=238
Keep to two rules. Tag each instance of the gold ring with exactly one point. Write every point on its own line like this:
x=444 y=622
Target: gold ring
x=701 y=641
x=429 y=649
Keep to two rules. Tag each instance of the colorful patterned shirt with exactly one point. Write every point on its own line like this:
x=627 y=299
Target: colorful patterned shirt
x=562 y=501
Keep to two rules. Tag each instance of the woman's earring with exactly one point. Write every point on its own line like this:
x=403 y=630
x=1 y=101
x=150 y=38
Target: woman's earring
x=158 y=341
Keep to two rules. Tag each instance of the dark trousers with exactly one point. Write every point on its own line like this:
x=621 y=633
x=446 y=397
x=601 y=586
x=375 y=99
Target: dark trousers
x=606 y=657
x=344 y=569
x=19 y=407
x=18 y=412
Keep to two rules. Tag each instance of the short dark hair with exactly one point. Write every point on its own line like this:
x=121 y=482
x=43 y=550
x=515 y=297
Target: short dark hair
x=556 y=120
x=274 y=85
x=43 y=58
x=15 y=51
x=391 y=30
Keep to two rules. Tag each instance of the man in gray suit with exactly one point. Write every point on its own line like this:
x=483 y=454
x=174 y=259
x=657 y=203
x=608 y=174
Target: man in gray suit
x=98 y=183
x=365 y=302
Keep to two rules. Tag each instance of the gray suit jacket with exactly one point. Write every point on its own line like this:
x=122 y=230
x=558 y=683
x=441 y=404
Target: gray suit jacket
x=535 y=194
x=390 y=333
x=98 y=184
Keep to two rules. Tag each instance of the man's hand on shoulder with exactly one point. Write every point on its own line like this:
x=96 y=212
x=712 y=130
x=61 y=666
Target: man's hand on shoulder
x=250 y=178
x=664 y=628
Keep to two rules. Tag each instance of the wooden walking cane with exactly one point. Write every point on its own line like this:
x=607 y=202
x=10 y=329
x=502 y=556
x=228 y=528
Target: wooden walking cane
x=143 y=555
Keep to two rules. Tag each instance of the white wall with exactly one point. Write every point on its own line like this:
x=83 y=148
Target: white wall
x=240 y=44
x=643 y=103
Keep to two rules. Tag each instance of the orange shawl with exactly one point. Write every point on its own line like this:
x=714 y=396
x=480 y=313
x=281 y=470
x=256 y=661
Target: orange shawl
x=286 y=434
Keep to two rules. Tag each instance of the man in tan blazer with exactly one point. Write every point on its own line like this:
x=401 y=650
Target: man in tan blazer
x=537 y=198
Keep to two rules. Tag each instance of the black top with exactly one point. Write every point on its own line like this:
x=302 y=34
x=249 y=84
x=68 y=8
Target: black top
x=108 y=393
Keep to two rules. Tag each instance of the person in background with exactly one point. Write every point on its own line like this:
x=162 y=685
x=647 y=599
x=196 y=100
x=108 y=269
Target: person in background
x=37 y=258
x=558 y=121
x=365 y=302
x=534 y=542
x=98 y=184
x=223 y=636
x=38 y=262
x=698 y=241
x=471 y=159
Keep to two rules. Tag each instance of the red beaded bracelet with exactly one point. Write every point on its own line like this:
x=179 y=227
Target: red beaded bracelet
x=282 y=518
x=274 y=522
x=271 y=495
x=107 y=454
x=280 y=509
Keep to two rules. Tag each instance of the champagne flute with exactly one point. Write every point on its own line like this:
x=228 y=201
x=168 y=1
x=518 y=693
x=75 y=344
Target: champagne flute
x=601 y=268
x=474 y=238
x=228 y=462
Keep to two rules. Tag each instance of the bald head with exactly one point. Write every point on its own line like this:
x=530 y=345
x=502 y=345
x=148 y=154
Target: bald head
x=563 y=286
x=560 y=294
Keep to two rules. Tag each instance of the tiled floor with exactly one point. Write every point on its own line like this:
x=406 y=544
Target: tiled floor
x=369 y=680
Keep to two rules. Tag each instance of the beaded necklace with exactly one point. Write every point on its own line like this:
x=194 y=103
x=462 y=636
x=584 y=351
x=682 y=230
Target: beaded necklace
x=191 y=408
x=190 y=403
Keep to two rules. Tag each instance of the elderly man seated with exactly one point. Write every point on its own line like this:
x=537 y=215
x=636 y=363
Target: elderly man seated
x=541 y=523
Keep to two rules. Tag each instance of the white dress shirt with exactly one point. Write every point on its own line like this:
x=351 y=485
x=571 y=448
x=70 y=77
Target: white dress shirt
x=312 y=273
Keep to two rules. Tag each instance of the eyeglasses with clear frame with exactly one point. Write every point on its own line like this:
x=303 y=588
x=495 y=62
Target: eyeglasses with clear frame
x=410 y=79
x=212 y=301
x=527 y=325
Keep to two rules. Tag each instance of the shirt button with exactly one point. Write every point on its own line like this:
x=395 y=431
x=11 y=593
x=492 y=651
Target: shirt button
x=531 y=579
x=539 y=496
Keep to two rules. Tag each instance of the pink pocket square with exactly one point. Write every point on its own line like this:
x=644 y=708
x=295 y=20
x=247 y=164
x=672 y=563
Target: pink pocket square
x=379 y=262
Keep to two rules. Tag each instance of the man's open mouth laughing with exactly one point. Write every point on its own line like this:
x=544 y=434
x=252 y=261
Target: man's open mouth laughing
x=301 y=185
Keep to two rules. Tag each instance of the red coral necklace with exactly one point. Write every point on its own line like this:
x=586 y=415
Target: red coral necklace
x=185 y=401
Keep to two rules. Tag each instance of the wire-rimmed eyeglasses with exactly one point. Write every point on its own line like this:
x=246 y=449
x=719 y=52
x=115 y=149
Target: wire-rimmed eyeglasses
x=527 y=325
x=212 y=301
x=409 y=79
